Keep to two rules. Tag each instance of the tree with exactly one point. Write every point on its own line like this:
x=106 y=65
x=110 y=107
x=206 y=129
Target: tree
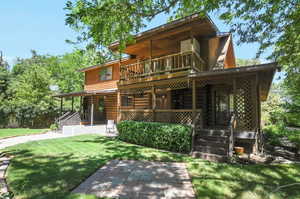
x=4 y=82
x=247 y=62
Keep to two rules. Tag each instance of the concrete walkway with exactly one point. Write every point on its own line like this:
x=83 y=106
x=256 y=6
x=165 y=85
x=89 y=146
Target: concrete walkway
x=140 y=180
x=52 y=135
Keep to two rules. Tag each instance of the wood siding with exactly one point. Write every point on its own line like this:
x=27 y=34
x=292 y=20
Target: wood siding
x=111 y=109
x=93 y=82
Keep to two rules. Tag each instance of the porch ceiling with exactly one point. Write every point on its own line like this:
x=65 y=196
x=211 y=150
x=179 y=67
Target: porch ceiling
x=86 y=93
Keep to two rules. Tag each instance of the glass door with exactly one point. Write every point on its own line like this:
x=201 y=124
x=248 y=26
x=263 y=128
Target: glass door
x=223 y=106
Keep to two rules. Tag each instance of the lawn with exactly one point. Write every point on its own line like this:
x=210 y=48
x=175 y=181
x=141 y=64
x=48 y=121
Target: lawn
x=51 y=168
x=4 y=133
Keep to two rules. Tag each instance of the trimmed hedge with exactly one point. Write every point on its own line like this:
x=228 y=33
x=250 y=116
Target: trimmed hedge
x=171 y=137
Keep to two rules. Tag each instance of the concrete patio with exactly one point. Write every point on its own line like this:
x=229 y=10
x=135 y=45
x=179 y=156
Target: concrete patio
x=139 y=179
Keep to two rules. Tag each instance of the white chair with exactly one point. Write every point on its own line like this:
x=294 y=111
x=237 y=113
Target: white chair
x=110 y=125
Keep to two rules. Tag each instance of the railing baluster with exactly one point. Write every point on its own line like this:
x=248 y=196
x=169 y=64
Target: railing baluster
x=174 y=62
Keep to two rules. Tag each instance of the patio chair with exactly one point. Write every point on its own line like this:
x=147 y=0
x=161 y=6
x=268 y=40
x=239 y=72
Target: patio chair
x=110 y=125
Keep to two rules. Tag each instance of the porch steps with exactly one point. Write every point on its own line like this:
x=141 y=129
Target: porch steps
x=211 y=144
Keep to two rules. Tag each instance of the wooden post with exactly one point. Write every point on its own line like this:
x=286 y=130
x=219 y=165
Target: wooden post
x=61 y=106
x=118 y=106
x=153 y=102
x=80 y=105
x=72 y=104
x=194 y=97
x=92 y=110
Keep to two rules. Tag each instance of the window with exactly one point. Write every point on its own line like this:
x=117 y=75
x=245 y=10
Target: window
x=126 y=101
x=106 y=73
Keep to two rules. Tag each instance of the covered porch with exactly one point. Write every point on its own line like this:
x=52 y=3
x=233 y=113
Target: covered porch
x=95 y=107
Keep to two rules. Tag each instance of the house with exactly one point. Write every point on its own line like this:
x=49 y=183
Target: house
x=181 y=72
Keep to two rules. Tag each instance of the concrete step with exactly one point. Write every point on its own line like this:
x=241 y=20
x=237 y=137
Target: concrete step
x=209 y=156
x=211 y=149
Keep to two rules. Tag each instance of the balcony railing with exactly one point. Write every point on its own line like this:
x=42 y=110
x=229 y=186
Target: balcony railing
x=162 y=65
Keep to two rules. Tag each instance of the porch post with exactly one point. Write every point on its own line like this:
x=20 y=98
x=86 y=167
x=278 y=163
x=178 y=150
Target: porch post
x=153 y=102
x=80 y=105
x=72 y=104
x=194 y=97
x=118 y=106
x=92 y=110
x=61 y=105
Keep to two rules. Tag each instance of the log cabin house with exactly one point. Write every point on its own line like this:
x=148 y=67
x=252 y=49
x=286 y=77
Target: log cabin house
x=181 y=72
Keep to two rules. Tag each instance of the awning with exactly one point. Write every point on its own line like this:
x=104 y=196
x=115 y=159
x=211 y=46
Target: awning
x=86 y=93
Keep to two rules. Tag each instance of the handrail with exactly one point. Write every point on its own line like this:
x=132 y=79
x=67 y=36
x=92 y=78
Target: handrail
x=232 y=125
x=168 y=63
x=63 y=116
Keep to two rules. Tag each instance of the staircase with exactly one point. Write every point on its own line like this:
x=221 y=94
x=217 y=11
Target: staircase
x=69 y=118
x=213 y=144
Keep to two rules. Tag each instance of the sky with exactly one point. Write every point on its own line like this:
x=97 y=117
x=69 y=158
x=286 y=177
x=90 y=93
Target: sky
x=40 y=25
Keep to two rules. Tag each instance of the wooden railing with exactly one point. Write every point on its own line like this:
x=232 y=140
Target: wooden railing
x=179 y=116
x=166 y=64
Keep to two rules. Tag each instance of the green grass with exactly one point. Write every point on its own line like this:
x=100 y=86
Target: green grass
x=51 y=168
x=5 y=133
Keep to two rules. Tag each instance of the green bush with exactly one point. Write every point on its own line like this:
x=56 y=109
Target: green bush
x=275 y=132
x=53 y=127
x=171 y=137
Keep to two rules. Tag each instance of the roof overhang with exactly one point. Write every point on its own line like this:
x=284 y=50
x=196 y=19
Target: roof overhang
x=86 y=93
x=103 y=65
x=265 y=73
x=176 y=24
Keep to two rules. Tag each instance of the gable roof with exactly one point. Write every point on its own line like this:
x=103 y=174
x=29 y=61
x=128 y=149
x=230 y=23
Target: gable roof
x=171 y=25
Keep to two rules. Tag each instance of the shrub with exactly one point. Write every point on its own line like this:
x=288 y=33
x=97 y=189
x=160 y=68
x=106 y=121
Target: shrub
x=171 y=137
x=276 y=132
x=53 y=127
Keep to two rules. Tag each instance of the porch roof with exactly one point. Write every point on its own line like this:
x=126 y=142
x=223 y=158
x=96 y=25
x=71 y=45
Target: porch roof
x=265 y=73
x=86 y=93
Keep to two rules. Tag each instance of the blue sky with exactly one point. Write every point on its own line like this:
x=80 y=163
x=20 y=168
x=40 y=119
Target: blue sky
x=40 y=25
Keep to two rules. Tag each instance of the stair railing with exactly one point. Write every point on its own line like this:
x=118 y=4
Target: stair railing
x=232 y=125
x=196 y=122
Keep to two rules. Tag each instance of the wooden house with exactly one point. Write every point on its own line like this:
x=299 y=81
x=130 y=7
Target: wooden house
x=181 y=72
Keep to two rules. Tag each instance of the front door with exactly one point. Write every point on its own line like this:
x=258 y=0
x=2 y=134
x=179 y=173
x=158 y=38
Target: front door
x=223 y=106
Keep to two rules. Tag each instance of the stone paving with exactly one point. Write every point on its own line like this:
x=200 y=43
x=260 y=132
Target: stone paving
x=139 y=179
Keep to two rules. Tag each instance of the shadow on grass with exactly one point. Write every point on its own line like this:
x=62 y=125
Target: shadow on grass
x=216 y=180
x=36 y=173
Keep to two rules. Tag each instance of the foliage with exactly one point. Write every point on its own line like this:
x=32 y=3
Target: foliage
x=53 y=127
x=26 y=90
x=247 y=62
x=276 y=132
x=272 y=110
x=4 y=82
x=46 y=169
x=172 y=137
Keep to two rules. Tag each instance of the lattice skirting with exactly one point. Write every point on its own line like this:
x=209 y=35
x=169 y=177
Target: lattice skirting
x=165 y=117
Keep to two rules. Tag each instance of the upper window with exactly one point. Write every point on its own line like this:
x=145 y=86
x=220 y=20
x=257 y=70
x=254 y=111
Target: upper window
x=106 y=73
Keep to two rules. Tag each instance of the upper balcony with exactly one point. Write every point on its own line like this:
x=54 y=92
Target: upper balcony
x=178 y=62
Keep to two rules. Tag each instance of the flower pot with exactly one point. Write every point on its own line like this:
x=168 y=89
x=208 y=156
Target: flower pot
x=239 y=150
